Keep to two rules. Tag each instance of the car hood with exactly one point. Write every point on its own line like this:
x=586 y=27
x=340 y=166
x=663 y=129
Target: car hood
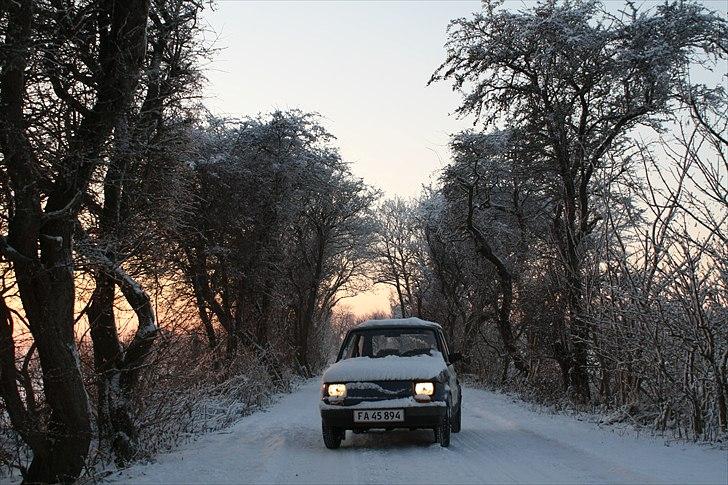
x=390 y=368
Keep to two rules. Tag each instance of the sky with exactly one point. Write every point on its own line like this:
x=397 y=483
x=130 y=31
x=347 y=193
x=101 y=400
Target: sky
x=363 y=66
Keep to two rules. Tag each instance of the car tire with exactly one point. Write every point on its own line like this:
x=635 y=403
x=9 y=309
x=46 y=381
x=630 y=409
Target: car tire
x=442 y=432
x=457 y=420
x=332 y=436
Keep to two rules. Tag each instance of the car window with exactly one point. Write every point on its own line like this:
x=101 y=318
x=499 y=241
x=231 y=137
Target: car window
x=377 y=343
x=352 y=347
x=446 y=345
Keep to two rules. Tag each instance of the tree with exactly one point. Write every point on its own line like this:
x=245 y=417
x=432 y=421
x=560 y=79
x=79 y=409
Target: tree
x=398 y=245
x=332 y=246
x=74 y=68
x=485 y=184
x=277 y=231
x=139 y=188
x=576 y=80
x=447 y=302
x=242 y=203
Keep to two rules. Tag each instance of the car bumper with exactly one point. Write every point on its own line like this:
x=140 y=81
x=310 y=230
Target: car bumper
x=420 y=415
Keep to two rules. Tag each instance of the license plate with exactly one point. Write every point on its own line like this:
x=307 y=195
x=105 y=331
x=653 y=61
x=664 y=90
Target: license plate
x=379 y=416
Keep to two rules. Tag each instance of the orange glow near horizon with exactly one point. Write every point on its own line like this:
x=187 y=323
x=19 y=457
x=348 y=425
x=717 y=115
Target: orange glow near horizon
x=374 y=300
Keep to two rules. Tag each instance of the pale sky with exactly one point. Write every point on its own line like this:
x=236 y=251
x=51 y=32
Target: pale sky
x=362 y=65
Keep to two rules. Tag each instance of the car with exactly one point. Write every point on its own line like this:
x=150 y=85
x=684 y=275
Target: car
x=392 y=374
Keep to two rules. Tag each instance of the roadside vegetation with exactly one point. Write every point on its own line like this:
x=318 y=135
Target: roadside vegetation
x=576 y=244
x=165 y=270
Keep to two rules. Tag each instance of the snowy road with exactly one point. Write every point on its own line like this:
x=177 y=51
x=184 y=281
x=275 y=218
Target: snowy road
x=501 y=442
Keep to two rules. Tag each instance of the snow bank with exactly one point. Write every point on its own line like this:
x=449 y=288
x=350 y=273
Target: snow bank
x=388 y=368
x=181 y=411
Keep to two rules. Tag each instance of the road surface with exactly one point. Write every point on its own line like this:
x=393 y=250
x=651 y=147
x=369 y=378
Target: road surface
x=502 y=441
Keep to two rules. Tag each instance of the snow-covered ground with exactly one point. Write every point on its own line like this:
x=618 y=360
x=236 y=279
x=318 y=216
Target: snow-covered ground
x=502 y=441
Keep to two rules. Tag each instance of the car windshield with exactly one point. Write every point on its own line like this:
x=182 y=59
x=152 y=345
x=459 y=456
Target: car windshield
x=377 y=343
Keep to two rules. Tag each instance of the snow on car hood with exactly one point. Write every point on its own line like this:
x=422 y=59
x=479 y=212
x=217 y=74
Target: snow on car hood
x=388 y=368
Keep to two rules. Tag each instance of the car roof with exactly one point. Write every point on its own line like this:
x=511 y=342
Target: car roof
x=397 y=322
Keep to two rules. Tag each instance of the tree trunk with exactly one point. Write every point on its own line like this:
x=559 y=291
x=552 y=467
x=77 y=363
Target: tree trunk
x=402 y=307
x=106 y=348
x=120 y=367
x=196 y=272
x=206 y=300
x=721 y=399
x=263 y=320
x=306 y=322
x=22 y=417
x=579 y=340
x=505 y=283
x=115 y=421
x=204 y=315
x=111 y=360
x=48 y=300
x=304 y=330
x=579 y=328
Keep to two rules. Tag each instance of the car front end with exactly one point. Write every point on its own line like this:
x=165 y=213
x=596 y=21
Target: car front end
x=387 y=404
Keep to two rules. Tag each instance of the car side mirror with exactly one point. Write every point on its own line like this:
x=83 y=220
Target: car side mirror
x=456 y=357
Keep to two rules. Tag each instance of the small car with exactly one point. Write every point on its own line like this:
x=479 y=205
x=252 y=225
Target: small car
x=392 y=374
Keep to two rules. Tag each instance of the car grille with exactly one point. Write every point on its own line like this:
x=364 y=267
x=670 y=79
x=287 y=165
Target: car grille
x=379 y=390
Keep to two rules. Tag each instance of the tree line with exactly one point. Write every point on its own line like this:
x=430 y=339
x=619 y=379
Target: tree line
x=575 y=246
x=561 y=249
x=120 y=193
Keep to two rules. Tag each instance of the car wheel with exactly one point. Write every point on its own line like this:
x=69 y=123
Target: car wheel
x=332 y=436
x=442 y=432
x=457 y=419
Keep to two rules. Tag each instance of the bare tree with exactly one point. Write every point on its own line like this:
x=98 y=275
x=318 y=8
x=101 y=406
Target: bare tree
x=49 y=175
x=485 y=176
x=398 y=244
x=576 y=80
x=139 y=188
x=332 y=248
x=278 y=231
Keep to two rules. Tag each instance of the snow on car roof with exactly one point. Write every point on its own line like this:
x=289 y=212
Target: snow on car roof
x=398 y=322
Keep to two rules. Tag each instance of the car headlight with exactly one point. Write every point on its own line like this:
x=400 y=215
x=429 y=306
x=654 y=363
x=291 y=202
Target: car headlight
x=424 y=388
x=336 y=390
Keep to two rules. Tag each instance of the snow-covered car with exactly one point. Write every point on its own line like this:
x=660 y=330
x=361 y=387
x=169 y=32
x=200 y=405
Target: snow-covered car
x=391 y=374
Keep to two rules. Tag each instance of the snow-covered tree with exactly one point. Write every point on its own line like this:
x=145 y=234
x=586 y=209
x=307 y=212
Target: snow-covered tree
x=277 y=230
x=576 y=80
x=398 y=254
x=68 y=73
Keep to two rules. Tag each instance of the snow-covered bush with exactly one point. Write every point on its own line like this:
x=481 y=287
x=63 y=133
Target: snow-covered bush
x=188 y=393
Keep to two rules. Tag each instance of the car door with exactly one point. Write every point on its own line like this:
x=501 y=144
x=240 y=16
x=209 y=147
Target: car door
x=452 y=376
